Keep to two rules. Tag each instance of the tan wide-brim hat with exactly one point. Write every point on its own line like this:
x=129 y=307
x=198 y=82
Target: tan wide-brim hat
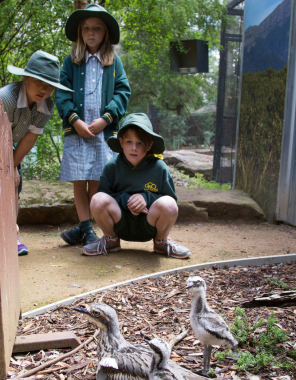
x=92 y=10
x=43 y=66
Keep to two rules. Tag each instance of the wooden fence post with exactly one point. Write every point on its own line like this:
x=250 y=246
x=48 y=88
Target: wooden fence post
x=10 y=302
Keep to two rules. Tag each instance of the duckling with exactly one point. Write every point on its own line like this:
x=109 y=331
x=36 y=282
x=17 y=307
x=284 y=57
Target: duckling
x=208 y=326
x=119 y=359
x=159 y=369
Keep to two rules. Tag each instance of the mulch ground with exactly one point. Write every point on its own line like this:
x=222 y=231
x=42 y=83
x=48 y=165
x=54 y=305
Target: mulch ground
x=161 y=306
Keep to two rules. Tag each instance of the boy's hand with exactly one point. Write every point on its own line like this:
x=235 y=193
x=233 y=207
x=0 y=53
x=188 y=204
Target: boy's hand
x=137 y=204
x=82 y=128
x=97 y=125
x=145 y=211
x=17 y=178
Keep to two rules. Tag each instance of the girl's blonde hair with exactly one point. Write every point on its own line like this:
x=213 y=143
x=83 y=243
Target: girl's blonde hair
x=79 y=48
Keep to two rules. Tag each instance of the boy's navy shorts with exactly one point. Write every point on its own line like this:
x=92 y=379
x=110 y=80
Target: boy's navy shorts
x=134 y=227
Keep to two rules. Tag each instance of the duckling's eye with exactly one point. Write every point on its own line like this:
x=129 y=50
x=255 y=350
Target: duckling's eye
x=96 y=313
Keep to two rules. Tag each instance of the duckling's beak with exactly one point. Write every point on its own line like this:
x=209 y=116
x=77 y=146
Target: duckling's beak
x=81 y=310
x=147 y=341
x=188 y=286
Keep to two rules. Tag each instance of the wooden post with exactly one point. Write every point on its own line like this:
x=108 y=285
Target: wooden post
x=10 y=302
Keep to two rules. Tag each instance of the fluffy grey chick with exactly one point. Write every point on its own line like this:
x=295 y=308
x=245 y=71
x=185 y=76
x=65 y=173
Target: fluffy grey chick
x=208 y=326
x=119 y=359
x=159 y=369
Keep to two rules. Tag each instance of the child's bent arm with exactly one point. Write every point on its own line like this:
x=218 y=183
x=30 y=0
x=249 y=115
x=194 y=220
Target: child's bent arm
x=82 y=128
x=97 y=125
x=17 y=178
x=24 y=147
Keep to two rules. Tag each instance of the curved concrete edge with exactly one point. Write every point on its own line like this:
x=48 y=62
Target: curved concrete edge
x=254 y=261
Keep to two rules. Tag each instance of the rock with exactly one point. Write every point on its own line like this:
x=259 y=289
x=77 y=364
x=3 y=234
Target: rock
x=223 y=204
x=44 y=202
x=189 y=213
x=191 y=162
x=47 y=214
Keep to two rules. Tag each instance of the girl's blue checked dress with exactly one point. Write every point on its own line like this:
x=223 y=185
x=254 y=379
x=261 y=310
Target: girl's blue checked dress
x=85 y=157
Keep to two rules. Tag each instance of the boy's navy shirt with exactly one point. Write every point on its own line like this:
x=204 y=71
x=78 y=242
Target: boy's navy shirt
x=150 y=178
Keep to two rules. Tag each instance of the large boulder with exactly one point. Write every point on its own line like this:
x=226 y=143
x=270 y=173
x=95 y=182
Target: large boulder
x=44 y=202
x=190 y=162
x=223 y=204
x=190 y=213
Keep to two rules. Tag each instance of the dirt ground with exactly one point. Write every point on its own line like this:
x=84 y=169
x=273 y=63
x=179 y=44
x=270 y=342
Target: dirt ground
x=53 y=270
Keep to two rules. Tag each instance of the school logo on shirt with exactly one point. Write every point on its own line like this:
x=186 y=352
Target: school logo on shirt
x=151 y=187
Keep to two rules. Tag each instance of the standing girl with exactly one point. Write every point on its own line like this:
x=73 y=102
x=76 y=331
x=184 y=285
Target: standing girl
x=92 y=113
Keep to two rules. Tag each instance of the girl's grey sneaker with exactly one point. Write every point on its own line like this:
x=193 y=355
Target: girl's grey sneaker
x=73 y=236
x=171 y=249
x=101 y=246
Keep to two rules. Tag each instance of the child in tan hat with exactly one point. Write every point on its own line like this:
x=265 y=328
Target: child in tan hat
x=29 y=107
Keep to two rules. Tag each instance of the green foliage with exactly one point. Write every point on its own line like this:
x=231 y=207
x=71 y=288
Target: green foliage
x=221 y=355
x=211 y=373
x=286 y=365
x=273 y=335
x=292 y=354
x=147 y=27
x=241 y=328
x=174 y=127
x=259 y=349
x=27 y=26
x=198 y=181
x=245 y=360
x=260 y=137
x=277 y=282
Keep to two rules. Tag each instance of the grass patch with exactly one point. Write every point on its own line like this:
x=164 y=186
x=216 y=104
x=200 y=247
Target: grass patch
x=259 y=347
x=277 y=282
x=198 y=181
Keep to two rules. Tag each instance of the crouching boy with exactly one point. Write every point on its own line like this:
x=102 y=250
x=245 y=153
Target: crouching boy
x=136 y=198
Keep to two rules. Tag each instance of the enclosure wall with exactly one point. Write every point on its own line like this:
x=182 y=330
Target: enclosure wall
x=264 y=78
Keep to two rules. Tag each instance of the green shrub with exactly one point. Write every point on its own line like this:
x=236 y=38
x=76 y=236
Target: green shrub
x=258 y=349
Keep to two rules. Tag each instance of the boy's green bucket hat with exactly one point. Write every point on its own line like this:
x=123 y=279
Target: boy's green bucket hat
x=140 y=120
x=43 y=66
x=92 y=10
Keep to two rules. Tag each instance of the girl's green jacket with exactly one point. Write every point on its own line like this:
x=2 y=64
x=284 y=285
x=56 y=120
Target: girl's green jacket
x=115 y=95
